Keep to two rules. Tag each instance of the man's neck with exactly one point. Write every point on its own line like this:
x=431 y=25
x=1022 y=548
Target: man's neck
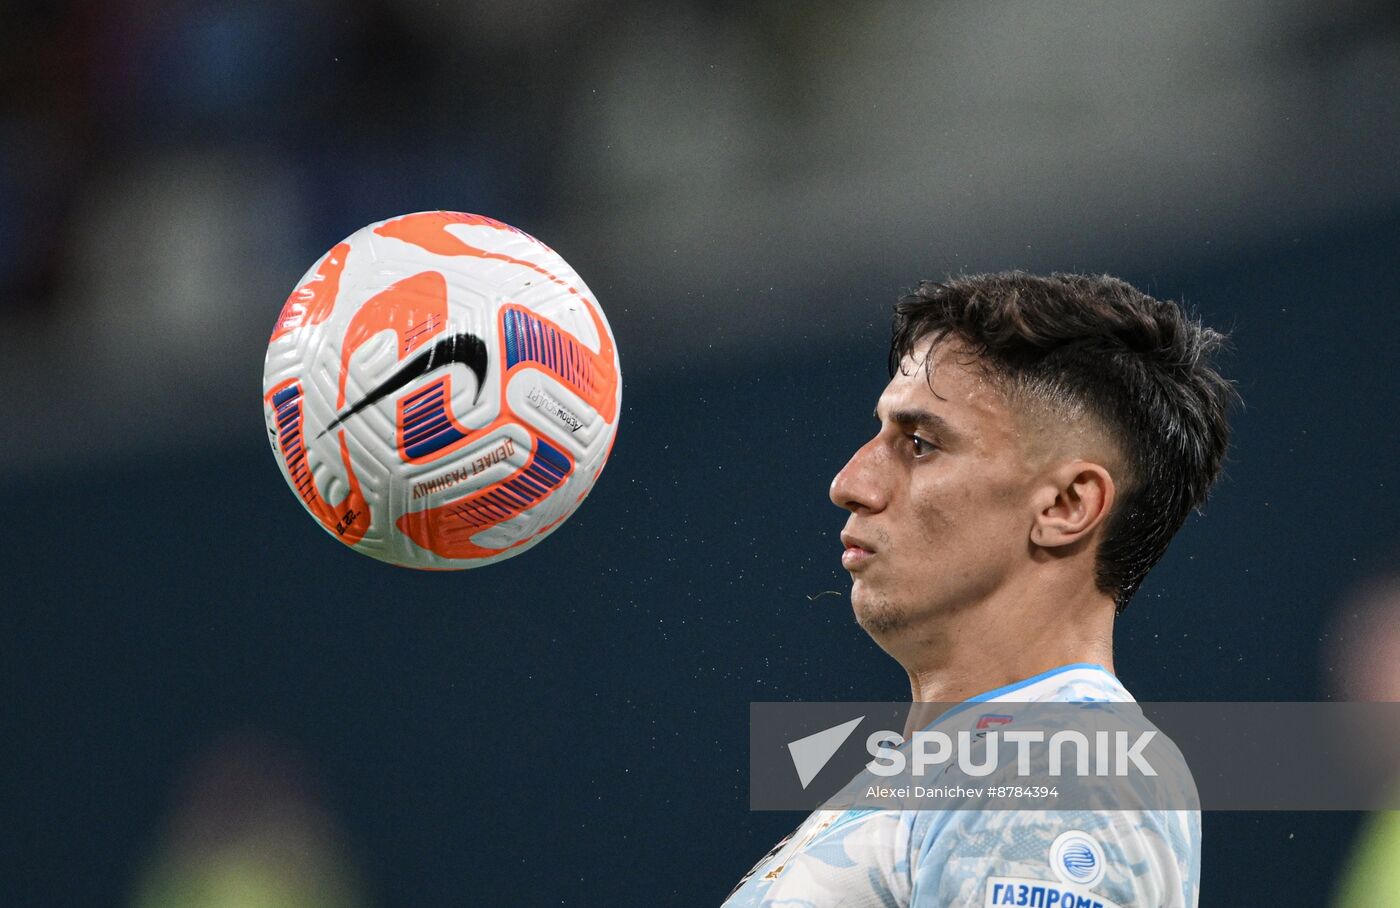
x=1006 y=639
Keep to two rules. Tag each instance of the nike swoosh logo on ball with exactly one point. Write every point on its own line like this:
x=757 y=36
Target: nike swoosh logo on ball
x=467 y=349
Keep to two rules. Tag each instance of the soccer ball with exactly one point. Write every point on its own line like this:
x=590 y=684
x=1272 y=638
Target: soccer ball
x=441 y=391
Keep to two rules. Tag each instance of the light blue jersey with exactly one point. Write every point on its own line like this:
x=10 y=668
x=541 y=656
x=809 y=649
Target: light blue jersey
x=1038 y=858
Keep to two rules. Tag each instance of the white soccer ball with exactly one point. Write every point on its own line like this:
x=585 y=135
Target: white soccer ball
x=441 y=390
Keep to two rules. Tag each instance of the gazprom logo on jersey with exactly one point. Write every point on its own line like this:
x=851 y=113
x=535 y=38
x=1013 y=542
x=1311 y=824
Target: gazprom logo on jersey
x=1077 y=859
x=979 y=753
x=1006 y=890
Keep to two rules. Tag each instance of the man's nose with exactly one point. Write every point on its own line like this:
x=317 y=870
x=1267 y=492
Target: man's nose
x=858 y=487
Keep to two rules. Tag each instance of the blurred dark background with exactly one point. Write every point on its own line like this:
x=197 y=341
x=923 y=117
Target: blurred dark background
x=209 y=702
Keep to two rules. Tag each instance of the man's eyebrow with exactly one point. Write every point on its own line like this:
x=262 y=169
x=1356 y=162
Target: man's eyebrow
x=921 y=419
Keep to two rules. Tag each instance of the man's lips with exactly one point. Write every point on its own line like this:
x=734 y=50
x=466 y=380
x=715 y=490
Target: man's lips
x=857 y=552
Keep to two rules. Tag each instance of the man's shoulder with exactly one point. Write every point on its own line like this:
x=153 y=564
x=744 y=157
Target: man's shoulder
x=1078 y=684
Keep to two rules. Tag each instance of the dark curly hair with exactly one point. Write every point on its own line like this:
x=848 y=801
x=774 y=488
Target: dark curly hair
x=1096 y=346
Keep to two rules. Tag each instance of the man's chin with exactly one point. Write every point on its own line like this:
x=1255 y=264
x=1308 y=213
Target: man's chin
x=876 y=615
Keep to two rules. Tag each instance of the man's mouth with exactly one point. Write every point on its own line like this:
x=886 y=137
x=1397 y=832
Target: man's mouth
x=857 y=552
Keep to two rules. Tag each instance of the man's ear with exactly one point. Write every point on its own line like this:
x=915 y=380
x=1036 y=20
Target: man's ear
x=1074 y=498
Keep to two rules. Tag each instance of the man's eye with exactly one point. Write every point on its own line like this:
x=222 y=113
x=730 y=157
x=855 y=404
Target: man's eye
x=922 y=446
